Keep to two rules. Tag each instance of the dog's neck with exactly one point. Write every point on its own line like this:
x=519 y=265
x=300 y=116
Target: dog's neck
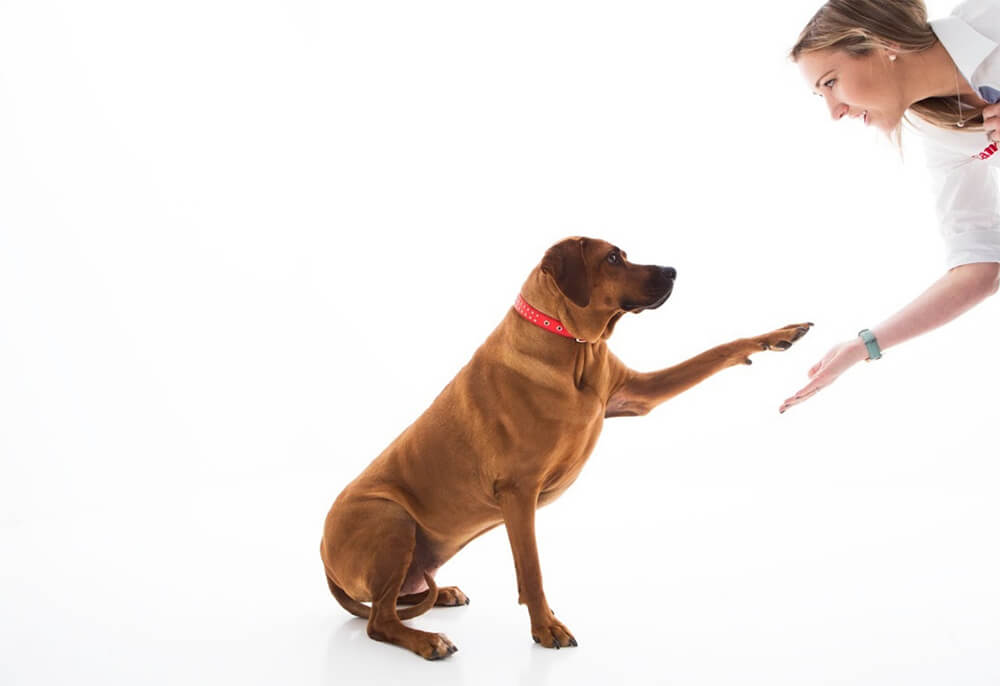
x=554 y=353
x=551 y=358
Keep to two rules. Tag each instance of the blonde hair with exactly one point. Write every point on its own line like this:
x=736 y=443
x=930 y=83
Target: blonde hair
x=860 y=26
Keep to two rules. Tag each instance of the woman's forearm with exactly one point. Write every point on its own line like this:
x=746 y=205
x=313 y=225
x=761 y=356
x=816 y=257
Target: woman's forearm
x=950 y=296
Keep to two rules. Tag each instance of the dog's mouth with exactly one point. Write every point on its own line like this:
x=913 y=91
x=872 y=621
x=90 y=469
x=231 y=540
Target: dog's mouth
x=663 y=298
x=656 y=301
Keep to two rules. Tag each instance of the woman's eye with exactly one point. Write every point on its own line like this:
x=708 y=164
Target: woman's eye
x=829 y=83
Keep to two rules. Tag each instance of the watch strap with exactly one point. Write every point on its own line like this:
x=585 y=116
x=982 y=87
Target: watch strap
x=874 y=352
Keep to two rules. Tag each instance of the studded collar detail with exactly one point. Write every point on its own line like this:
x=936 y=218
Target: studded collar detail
x=541 y=319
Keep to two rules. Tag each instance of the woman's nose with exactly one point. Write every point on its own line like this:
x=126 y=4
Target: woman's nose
x=838 y=110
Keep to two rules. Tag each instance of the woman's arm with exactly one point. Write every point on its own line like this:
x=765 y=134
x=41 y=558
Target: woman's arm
x=950 y=296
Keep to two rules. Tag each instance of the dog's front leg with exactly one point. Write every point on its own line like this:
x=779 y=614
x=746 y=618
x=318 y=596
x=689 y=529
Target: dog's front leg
x=638 y=393
x=518 y=508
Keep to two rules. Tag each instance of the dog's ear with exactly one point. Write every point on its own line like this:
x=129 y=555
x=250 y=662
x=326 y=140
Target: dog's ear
x=566 y=264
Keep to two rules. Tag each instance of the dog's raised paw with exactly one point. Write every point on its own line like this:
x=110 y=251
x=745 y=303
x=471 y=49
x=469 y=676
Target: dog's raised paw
x=783 y=338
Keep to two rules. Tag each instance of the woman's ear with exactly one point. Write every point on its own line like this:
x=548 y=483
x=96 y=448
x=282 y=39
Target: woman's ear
x=891 y=51
x=566 y=264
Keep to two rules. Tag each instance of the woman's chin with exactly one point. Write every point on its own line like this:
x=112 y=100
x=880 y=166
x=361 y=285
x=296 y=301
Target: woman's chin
x=886 y=125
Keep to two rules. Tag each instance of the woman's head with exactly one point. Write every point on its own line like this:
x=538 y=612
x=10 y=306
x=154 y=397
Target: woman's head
x=858 y=87
x=848 y=53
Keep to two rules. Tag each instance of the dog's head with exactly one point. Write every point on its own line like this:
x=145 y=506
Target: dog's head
x=591 y=284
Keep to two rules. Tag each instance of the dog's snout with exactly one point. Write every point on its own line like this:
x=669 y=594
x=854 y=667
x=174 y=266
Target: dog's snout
x=669 y=272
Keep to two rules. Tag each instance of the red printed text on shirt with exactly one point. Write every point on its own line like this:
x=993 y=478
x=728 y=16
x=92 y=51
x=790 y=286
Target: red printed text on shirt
x=988 y=152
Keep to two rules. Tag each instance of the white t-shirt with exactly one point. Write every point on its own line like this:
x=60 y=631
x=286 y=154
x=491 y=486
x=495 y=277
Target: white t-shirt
x=963 y=164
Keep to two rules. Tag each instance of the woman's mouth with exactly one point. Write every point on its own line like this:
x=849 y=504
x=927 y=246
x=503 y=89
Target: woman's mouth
x=862 y=115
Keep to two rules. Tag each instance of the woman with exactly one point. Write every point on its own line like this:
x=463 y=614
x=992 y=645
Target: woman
x=880 y=59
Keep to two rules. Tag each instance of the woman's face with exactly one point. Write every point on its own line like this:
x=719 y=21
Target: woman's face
x=866 y=88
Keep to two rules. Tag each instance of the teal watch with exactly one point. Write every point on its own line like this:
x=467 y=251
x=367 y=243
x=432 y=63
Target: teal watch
x=874 y=352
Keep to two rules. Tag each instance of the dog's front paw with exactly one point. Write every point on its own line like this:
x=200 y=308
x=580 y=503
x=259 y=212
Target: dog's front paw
x=552 y=634
x=781 y=339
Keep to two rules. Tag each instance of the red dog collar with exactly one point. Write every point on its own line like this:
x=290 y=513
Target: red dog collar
x=541 y=319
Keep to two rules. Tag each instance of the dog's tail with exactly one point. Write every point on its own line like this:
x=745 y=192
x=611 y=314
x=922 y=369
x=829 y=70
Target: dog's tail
x=425 y=604
x=361 y=610
x=347 y=602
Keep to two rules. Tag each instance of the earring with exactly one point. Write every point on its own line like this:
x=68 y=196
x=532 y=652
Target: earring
x=892 y=58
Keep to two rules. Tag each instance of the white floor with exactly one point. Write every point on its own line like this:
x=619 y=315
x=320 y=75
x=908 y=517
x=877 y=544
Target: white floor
x=693 y=586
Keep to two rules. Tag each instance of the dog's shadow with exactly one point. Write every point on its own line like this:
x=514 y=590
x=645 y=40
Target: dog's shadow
x=352 y=657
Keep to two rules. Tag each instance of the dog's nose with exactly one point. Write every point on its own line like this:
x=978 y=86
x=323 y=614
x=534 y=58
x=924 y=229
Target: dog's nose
x=669 y=272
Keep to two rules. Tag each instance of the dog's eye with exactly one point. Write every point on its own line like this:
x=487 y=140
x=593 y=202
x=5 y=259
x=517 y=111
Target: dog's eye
x=613 y=258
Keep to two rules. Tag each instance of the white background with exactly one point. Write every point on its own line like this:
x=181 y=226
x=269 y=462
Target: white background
x=244 y=244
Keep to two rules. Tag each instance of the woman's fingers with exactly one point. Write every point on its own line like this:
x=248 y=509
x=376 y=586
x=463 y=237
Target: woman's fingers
x=807 y=392
x=991 y=121
x=825 y=372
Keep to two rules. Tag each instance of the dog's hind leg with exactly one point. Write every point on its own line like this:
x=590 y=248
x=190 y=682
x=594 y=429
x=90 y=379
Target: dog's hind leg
x=385 y=625
x=373 y=543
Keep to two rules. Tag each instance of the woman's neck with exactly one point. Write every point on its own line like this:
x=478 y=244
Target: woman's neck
x=933 y=73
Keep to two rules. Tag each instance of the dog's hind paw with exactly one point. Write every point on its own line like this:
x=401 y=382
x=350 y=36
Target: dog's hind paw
x=553 y=634
x=451 y=596
x=436 y=647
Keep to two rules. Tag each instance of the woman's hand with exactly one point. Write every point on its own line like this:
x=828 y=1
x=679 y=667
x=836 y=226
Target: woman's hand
x=991 y=122
x=826 y=371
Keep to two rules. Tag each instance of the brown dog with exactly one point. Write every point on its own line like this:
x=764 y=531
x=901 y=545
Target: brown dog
x=509 y=434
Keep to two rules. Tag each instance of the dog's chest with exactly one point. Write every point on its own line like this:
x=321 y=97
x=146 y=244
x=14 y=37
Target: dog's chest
x=567 y=460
